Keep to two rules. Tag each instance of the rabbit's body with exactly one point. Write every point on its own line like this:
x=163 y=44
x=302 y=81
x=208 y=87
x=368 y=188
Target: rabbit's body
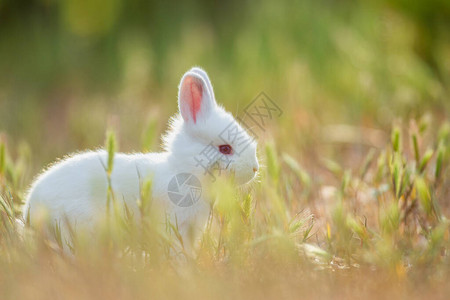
x=74 y=190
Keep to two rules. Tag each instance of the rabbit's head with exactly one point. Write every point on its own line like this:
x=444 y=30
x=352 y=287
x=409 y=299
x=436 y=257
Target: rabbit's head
x=204 y=138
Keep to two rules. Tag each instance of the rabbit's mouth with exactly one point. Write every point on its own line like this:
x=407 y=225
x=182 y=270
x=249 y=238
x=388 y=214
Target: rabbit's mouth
x=239 y=175
x=242 y=178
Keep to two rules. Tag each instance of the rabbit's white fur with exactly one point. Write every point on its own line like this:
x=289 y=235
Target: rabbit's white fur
x=75 y=189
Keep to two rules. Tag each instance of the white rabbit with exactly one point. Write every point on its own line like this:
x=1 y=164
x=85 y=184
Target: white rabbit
x=201 y=136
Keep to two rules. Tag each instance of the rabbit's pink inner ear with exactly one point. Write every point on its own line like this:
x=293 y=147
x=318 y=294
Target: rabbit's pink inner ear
x=191 y=95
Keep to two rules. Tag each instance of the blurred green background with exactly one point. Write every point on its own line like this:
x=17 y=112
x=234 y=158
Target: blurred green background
x=338 y=69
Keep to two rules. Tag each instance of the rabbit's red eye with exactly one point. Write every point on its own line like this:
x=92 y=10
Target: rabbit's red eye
x=225 y=149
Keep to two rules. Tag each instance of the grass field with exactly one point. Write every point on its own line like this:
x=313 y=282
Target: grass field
x=351 y=201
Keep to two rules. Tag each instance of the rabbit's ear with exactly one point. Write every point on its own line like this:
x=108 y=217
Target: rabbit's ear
x=195 y=100
x=205 y=77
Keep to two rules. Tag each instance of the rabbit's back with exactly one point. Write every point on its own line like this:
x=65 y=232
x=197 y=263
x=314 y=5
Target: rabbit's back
x=76 y=188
